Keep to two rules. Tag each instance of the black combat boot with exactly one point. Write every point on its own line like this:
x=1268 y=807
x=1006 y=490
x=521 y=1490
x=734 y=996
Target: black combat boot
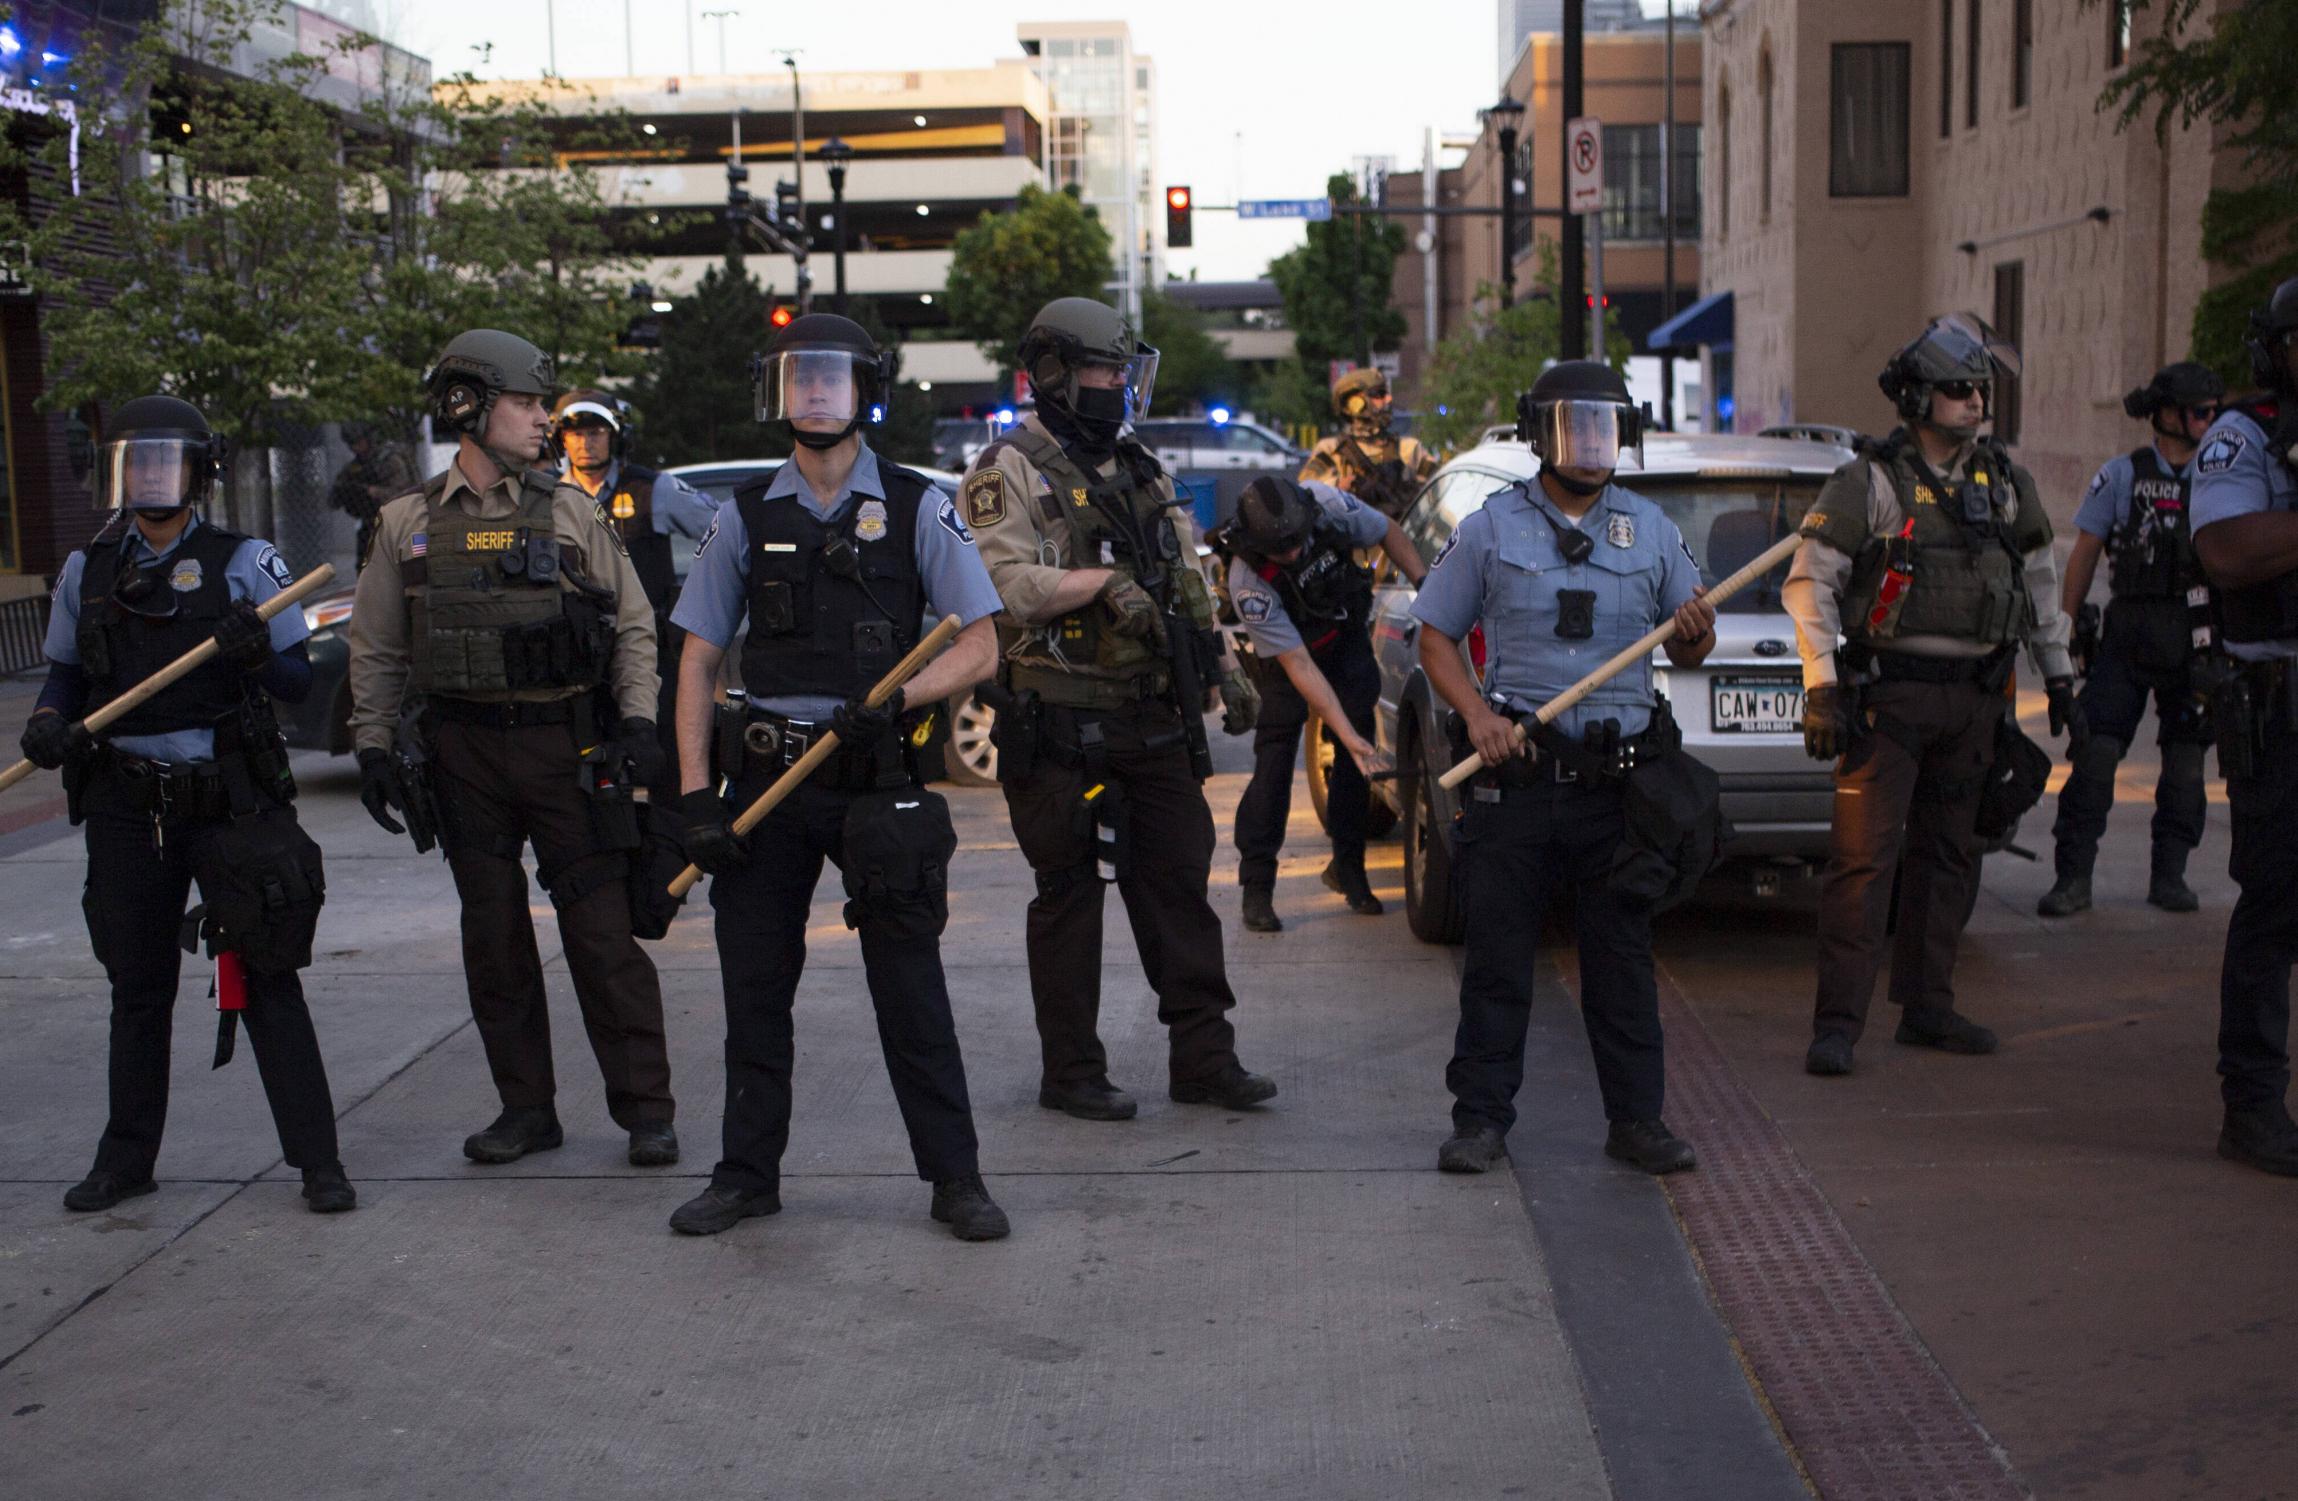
x=1349 y=881
x=1472 y=1149
x=2072 y=894
x=1231 y=1089
x=1948 y=1031
x=1828 y=1056
x=718 y=1208
x=2261 y=1136
x=327 y=1191
x=103 y=1190
x=515 y=1133
x=1649 y=1145
x=2167 y=889
x=1088 y=1099
x=653 y=1144
x=1260 y=911
x=965 y=1206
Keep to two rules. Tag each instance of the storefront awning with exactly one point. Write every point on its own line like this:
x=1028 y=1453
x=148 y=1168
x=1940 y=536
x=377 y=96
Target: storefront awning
x=1707 y=321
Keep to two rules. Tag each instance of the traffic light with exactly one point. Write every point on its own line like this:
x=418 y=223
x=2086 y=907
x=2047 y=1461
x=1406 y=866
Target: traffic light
x=1178 y=233
x=737 y=195
x=781 y=315
x=786 y=202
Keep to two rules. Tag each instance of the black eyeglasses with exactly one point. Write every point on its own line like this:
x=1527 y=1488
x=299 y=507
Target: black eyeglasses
x=1959 y=390
x=2207 y=410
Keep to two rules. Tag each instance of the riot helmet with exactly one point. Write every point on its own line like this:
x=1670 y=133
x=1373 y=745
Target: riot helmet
x=2269 y=339
x=2184 y=384
x=1954 y=356
x=1071 y=336
x=1275 y=516
x=478 y=366
x=823 y=368
x=1578 y=415
x=1361 y=399
x=584 y=407
x=159 y=456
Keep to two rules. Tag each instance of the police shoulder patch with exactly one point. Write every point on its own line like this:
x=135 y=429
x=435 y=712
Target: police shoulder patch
x=708 y=537
x=2219 y=454
x=1445 y=551
x=985 y=498
x=274 y=566
x=953 y=523
x=1255 y=606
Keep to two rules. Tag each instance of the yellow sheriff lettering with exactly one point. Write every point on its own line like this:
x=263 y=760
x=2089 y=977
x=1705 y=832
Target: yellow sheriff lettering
x=487 y=541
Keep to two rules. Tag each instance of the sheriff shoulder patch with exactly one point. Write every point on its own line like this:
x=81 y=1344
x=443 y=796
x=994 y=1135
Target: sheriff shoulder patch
x=985 y=498
x=274 y=566
x=2219 y=454
x=952 y=522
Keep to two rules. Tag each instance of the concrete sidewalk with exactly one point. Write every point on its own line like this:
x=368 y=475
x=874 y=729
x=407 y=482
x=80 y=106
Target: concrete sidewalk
x=1286 y=1303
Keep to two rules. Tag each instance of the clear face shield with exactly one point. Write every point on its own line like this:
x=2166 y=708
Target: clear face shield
x=1136 y=377
x=820 y=390
x=1587 y=434
x=151 y=474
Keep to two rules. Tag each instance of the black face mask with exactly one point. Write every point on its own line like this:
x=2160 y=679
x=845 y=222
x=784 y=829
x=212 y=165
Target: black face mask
x=1097 y=415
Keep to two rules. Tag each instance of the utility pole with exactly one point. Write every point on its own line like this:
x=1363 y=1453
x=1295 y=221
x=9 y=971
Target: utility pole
x=1505 y=115
x=798 y=179
x=689 y=38
x=551 y=32
x=1571 y=300
x=1668 y=221
x=629 y=52
x=720 y=17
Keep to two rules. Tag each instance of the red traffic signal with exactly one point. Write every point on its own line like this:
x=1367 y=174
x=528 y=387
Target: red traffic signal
x=781 y=315
x=1179 y=233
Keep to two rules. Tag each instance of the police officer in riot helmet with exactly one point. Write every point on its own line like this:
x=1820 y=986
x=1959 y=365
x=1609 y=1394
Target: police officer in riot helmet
x=836 y=558
x=1563 y=571
x=2245 y=521
x=192 y=784
x=503 y=671
x=647 y=509
x=1368 y=460
x=1930 y=556
x=2157 y=628
x=1108 y=649
x=1294 y=582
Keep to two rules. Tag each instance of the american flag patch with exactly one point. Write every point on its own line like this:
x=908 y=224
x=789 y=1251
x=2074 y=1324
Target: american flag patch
x=415 y=544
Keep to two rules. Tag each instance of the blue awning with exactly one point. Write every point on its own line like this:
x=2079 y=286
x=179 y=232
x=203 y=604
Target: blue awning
x=1707 y=321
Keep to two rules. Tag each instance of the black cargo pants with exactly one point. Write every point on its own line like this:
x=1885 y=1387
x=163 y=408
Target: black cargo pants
x=2113 y=701
x=1349 y=666
x=2262 y=935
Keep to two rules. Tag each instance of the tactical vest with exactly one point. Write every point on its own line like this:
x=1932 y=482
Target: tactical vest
x=496 y=607
x=1941 y=576
x=2153 y=553
x=833 y=604
x=1090 y=508
x=1324 y=590
x=2267 y=611
x=124 y=641
x=1384 y=484
x=629 y=509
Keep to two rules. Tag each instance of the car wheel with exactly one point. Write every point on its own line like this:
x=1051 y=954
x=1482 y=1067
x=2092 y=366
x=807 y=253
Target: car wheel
x=1432 y=907
x=1379 y=817
x=968 y=756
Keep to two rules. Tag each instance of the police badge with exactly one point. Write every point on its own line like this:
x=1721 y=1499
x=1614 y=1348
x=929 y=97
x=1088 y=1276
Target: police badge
x=1620 y=531
x=870 y=521
x=185 y=576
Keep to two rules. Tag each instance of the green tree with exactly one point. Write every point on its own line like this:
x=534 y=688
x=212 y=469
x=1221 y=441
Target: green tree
x=1007 y=266
x=1191 y=365
x=1475 y=376
x=1336 y=286
x=2227 y=65
x=694 y=396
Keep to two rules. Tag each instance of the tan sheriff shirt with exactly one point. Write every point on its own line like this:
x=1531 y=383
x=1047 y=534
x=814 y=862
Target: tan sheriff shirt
x=382 y=657
x=1003 y=496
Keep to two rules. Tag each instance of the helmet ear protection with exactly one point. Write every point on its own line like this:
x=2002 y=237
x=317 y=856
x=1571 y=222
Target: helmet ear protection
x=462 y=405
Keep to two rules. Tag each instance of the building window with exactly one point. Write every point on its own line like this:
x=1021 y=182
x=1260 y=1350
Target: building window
x=2118 y=32
x=2010 y=320
x=2022 y=52
x=1946 y=68
x=1867 y=120
x=1723 y=160
x=1632 y=209
x=1763 y=164
x=1971 y=65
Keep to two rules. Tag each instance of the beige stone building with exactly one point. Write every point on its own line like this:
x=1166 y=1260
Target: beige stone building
x=1869 y=165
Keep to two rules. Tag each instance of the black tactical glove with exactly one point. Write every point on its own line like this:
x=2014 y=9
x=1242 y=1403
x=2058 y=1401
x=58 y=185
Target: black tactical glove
x=709 y=838
x=51 y=740
x=2067 y=716
x=243 y=638
x=379 y=788
x=860 y=726
x=637 y=742
x=1826 y=722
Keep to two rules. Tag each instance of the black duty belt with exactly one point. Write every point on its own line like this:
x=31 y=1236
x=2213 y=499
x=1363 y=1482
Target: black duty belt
x=504 y=714
x=1906 y=667
x=176 y=791
x=772 y=743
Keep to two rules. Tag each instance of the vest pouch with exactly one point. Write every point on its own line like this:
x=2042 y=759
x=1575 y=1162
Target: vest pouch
x=1673 y=807
x=95 y=642
x=659 y=859
x=774 y=608
x=2016 y=776
x=263 y=881
x=897 y=849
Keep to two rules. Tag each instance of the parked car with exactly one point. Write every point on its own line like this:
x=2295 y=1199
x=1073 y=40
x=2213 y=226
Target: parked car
x=1214 y=461
x=1741 y=710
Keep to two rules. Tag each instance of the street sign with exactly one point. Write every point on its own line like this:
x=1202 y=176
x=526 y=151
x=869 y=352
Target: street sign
x=15 y=268
x=1319 y=209
x=1584 y=165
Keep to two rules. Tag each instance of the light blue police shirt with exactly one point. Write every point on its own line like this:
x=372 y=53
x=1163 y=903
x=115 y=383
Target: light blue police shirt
x=714 y=599
x=676 y=507
x=1503 y=566
x=1268 y=626
x=256 y=572
x=2236 y=474
x=2105 y=505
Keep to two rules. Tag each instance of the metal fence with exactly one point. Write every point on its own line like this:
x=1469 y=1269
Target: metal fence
x=23 y=627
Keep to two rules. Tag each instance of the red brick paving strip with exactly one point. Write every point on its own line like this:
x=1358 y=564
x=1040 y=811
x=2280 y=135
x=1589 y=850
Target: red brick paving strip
x=1869 y=1413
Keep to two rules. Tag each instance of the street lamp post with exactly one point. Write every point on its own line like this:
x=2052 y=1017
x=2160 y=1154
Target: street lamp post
x=1505 y=116
x=834 y=155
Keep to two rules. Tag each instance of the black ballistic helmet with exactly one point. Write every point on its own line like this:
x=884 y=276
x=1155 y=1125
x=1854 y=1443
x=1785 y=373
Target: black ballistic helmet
x=1579 y=415
x=2269 y=338
x=158 y=455
x=1958 y=347
x=2184 y=384
x=1274 y=515
x=822 y=366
